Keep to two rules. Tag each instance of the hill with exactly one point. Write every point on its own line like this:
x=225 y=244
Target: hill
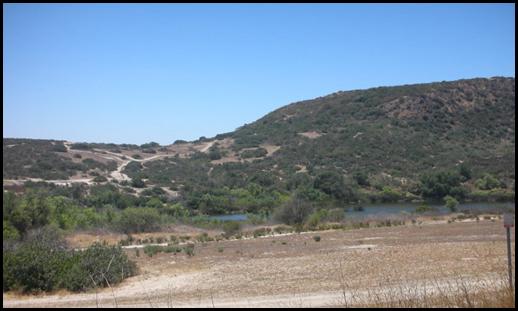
x=387 y=143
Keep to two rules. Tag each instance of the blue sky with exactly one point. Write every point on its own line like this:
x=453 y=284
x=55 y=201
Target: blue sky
x=136 y=73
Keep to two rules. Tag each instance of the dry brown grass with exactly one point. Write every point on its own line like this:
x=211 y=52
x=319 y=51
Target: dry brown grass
x=449 y=265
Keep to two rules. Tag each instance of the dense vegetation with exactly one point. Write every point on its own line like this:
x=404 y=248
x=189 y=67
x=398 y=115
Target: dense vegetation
x=42 y=262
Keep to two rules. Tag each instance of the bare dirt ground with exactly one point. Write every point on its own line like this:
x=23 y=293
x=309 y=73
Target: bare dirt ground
x=296 y=271
x=311 y=134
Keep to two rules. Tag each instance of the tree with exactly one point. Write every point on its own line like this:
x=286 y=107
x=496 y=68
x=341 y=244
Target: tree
x=149 y=145
x=334 y=185
x=465 y=172
x=294 y=212
x=361 y=178
x=31 y=212
x=488 y=182
x=451 y=202
x=137 y=183
x=438 y=185
x=143 y=219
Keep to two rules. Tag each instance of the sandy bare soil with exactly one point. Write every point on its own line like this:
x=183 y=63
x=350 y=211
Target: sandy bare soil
x=296 y=271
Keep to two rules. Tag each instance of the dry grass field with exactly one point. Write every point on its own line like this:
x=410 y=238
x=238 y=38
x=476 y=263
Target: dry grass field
x=461 y=264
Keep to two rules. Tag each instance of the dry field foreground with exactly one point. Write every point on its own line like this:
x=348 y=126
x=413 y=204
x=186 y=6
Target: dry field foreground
x=428 y=265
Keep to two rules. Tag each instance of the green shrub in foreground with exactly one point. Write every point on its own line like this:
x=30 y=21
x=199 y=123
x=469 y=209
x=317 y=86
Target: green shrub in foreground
x=44 y=264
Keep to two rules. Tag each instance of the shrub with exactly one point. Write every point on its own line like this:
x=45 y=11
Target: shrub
x=137 y=183
x=230 y=228
x=100 y=179
x=316 y=238
x=151 y=250
x=255 y=153
x=294 y=211
x=438 y=185
x=390 y=195
x=42 y=263
x=423 y=208
x=189 y=249
x=142 y=219
x=361 y=179
x=59 y=148
x=451 y=203
x=98 y=265
x=80 y=146
x=488 y=182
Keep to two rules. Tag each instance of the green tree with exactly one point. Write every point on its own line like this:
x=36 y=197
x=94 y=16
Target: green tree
x=293 y=212
x=438 y=185
x=361 y=178
x=331 y=183
x=141 y=219
x=465 y=172
x=451 y=203
x=488 y=182
x=137 y=183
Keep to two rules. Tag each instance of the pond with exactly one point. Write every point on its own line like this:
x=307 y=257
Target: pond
x=234 y=217
x=388 y=210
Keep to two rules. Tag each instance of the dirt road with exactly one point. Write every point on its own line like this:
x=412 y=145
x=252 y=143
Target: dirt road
x=296 y=271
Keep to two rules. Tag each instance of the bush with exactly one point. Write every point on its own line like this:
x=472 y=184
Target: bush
x=189 y=249
x=488 y=182
x=42 y=263
x=293 y=212
x=230 y=228
x=255 y=153
x=59 y=148
x=98 y=265
x=80 y=146
x=137 y=183
x=451 y=203
x=316 y=238
x=361 y=179
x=100 y=179
x=423 y=208
x=142 y=219
x=390 y=195
x=438 y=185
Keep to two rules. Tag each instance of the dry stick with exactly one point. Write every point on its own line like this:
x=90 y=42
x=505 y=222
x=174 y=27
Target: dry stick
x=95 y=286
x=145 y=292
x=212 y=299
x=113 y=292
x=170 y=302
x=107 y=282
x=470 y=305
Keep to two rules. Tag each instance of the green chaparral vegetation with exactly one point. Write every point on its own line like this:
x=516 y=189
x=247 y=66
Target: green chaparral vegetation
x=447 y=141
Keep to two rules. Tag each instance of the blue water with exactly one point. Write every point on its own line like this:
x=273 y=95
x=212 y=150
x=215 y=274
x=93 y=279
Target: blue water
x=387 y=210
x=235 y=217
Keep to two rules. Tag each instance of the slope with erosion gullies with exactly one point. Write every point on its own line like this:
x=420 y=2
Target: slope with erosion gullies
x=402 y=130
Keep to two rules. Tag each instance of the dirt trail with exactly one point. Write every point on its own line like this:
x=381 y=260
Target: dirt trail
x=147 y=289
x=207 y=147
x=117 y=174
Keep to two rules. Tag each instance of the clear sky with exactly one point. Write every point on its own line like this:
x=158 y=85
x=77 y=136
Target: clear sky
x=134 y=73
